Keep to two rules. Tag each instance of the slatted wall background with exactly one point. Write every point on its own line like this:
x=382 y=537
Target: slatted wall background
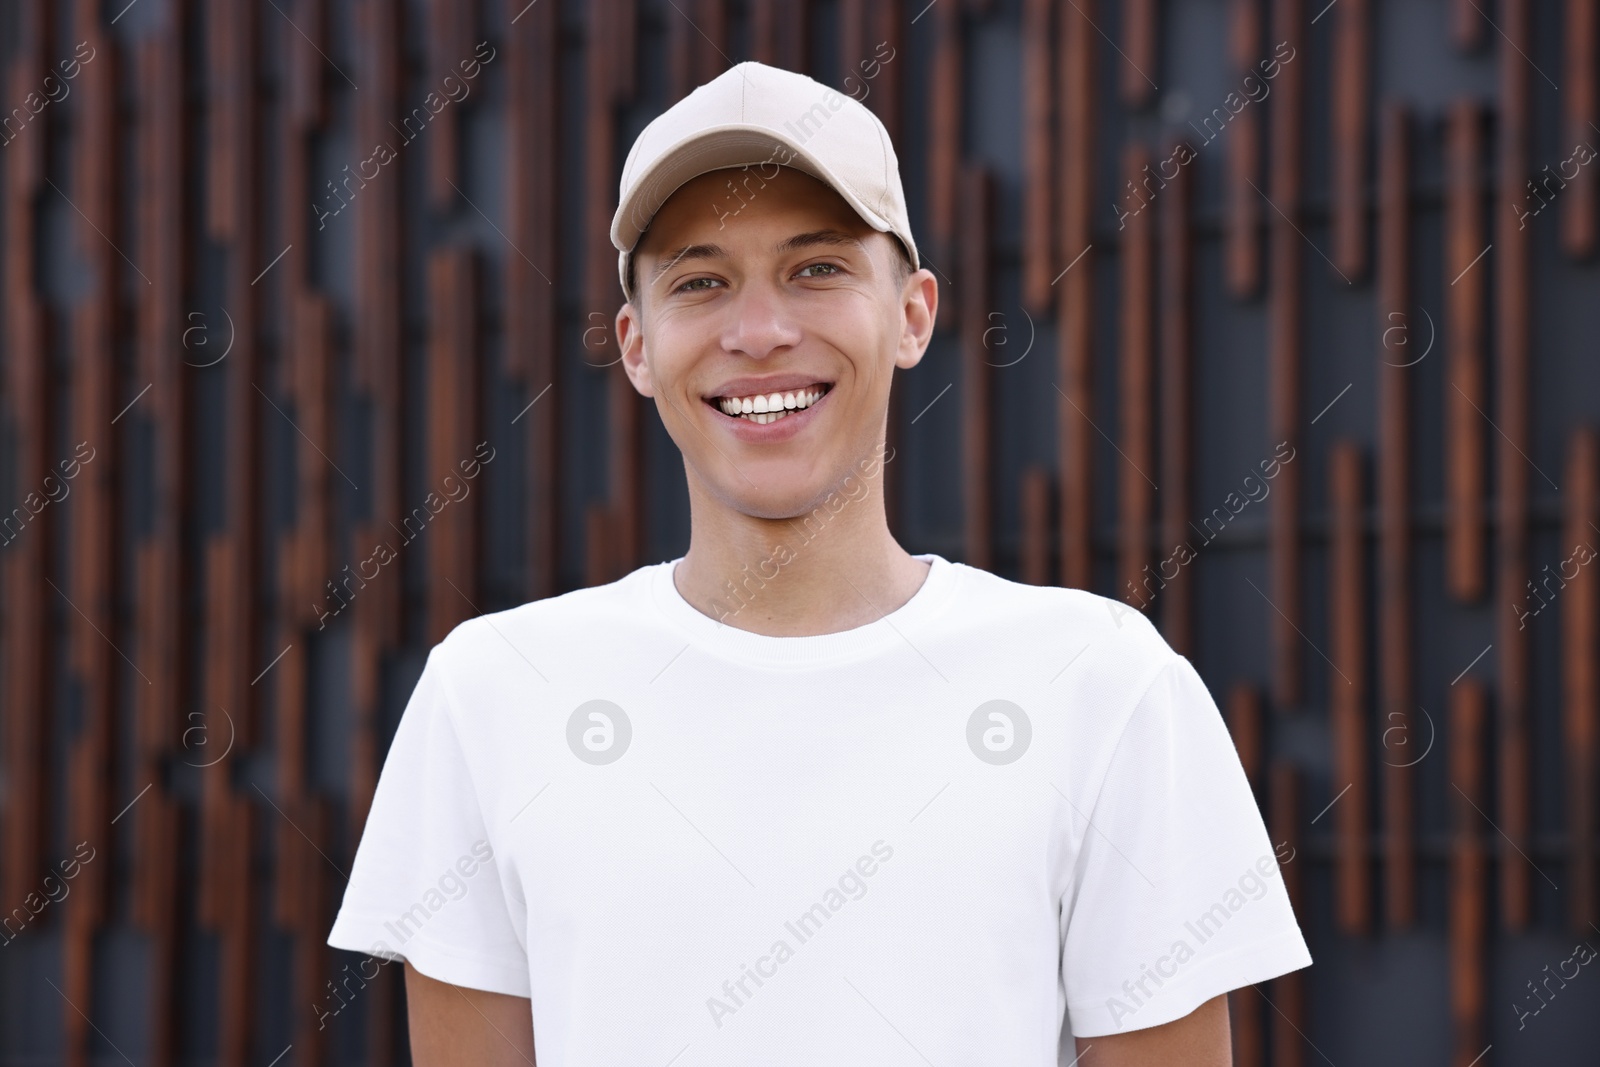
x=240 y=350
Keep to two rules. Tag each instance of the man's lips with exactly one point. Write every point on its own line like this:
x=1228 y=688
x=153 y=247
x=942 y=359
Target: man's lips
x=772 y=425
x=768 y=407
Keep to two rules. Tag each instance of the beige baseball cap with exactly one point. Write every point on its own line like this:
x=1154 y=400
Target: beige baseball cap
x=758 y=118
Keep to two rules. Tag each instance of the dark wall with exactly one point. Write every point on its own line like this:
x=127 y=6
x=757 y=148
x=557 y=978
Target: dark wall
x=242 y=347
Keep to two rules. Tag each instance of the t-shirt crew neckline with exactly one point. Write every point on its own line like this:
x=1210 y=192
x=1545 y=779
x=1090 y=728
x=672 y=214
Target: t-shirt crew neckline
x=728 y=641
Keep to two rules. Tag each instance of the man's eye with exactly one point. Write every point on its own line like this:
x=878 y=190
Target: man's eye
x=684 y=288
x=833 y=268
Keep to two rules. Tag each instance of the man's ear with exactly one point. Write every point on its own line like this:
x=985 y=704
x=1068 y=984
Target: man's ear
x=920 y=303
x=630 y=340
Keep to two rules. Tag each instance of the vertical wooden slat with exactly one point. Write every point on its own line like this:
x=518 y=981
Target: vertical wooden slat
x=1580 y=204
x=1580 y=674
x=27 y=534
x=944 y=146
x=234 y=557
x=853 y=46
x=1351 y=97
x=976 y=431
x=1466 y=395
x=709 y=39
x=1468 y=24
x=1245 y=1005
x=91 y=578
x=1395 y=650
x=763 y=30
x=1347 y=644
x=377 y=615
x=454 y=426
x=885 y=67
x=1469 y=872
x=624 y=407
x=1176 y=268
x=1288 y=991
x=451 y=24
x=1075 y=302
x=1136 y=495
x=1038 y=155
x=1512 y=449
x=1141 y=33
x=1242 y=162
x=1035 y=526
x=793 y=28
x=1285 y=323
x=532 y=178
x=161 y=565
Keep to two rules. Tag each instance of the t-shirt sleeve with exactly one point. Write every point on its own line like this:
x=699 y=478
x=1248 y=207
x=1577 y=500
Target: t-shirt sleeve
x=425 y=884
x=1176 y=896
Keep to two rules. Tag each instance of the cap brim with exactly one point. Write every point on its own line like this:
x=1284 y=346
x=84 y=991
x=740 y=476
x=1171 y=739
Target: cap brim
x=759 y=148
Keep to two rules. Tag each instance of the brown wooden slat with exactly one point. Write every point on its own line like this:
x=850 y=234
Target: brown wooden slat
x=1512 y=256
x=1469 y=871
x=1035 y=525
x=680 y=50
x=451 y=24
x=624 y=407
x=308 y=98
x=1136 y=495
x=226 y=94
x=793 y=50
x=29 y=706
x=624 y=44
x=1243 y=713
x=1176 y=269
x=377 y=614
x=1246 y=727
x=944 y=112
x=1350 y=103
x=307 y=594
x=1075 y=350
x=976 y=293
x=1140 y=29
x=1580 y=674
x=1289 y=1022
x=160 y=563
x=882 y=68
x=1347 y=702
x=454 y=429
x=1243 y=210
x=763 y=16
x=1466 y=396
x=1285 y=322
x=1396 y=651
x=1468 y=24
x=853 y=46
x=91 y=578
x=532 y=184
x=1580 y=204
x=1038 y=155
x=710 y=39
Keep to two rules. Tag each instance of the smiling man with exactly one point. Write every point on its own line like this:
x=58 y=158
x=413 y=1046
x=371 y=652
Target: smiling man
x=801 y=797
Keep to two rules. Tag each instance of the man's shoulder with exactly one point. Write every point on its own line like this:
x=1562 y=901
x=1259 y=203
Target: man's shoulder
x=586 y=616
x=1021 y=608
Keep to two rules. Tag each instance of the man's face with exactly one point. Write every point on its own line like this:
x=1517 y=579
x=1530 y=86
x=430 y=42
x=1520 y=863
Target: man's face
x=778 y=288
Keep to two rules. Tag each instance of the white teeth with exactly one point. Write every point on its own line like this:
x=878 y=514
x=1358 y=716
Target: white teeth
x=769 y=407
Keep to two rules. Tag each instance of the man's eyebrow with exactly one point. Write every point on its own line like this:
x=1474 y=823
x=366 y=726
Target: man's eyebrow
x=798 y=241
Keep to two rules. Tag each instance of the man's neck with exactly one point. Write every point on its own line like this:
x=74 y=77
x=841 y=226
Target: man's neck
x=790 y=578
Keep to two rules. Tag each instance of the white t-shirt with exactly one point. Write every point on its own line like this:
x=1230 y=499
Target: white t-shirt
x=998 y=809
